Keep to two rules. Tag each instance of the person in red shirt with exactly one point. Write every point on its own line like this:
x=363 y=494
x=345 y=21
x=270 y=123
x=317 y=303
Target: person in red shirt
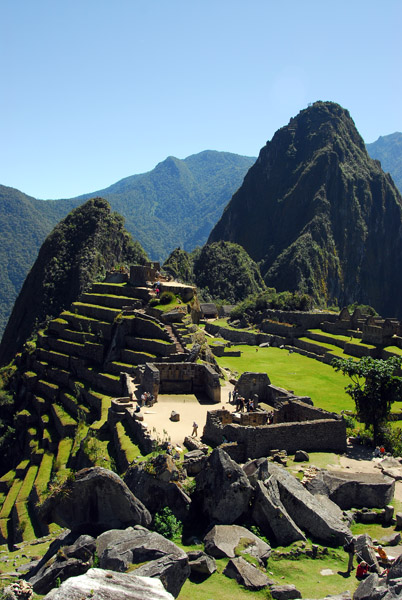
x=362 y=570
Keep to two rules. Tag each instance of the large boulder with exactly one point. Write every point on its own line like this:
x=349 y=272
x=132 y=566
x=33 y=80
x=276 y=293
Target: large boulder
x=284 y=592
x=272 y=517
x=354 y=490
x=246 y=575
x=365 y=551
x=319 y=521
x=93 y=501
x=108 y=585
x=201 y=563
x=223 y=488
x=225 y=541
x=69 y=561
x=156 y=492
x=118 y=549
x=372 y=588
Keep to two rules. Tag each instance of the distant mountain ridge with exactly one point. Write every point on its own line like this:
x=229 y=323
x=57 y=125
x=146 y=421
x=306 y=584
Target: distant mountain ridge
x=388 y=150
x=177 y=203
x=319 y=215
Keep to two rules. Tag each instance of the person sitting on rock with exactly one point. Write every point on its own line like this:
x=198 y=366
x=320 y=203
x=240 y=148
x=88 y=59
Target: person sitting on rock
x=362 y=571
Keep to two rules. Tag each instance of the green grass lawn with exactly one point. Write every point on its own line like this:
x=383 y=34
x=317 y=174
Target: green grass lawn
x=306 y=377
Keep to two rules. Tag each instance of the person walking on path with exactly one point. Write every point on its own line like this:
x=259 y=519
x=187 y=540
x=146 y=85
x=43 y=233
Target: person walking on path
x=195 y=430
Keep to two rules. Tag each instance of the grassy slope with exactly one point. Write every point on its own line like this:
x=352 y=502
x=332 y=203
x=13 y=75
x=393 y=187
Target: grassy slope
x=295 y=372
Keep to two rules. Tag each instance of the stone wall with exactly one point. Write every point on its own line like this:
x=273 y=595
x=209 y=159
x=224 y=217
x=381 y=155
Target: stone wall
x=254 y=383
x=140 y=274
x=284 y=330
x=181 y=378
x=296 y=411
x=324 y=435
x=305 y=320
x=242 y=337
x=158 y=347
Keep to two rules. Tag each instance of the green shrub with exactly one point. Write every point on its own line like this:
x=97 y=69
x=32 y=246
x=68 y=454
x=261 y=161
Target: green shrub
x=166 y=524
x=167 y=297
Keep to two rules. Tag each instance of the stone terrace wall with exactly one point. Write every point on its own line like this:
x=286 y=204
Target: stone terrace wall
x=327 y=435
x=299 y=412
x=242 y=337
x=305 y=320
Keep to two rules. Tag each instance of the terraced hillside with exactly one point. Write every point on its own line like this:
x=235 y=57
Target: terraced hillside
x=64 y=391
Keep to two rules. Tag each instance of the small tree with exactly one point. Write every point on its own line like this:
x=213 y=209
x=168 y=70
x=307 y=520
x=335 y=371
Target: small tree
x=374 y=387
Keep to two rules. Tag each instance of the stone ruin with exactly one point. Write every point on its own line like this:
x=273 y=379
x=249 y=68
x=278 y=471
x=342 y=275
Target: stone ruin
x=296 y=423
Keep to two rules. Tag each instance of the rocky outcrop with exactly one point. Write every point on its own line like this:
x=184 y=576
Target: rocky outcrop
x=271 y=516
x=246 y=574
x=201 y=563
x=319 y=215
x=157 y=491
x=117 y=549
x=308 y=513
x=226 y=541
x=94 y=500
x=69 y=561
x=109 y=585
x=223 y=489
x=354 y=490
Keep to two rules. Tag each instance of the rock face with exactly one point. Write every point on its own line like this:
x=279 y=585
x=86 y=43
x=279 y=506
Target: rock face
x=109 y=585
x=222 y=540
x=73 y=559
x=354 y=490
x=272 y=517
x=223 y=488
x=156 y=492
x=117 y=549
x=319 y=215
x=95 y=501
x=322 y=523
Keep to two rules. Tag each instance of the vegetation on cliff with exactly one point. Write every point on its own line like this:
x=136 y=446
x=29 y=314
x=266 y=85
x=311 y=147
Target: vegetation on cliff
x=221 y=271
x=89 y=241
x=319 y=215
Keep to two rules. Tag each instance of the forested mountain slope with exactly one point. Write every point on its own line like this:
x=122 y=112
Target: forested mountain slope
x=319 y=215
x=81 y=248
x=177 y=203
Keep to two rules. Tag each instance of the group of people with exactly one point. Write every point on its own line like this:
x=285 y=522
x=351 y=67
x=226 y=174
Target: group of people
x=147 y=399
x=241 y=403
x=363 y=569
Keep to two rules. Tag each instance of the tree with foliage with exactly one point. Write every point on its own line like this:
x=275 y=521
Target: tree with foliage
x=375 y=386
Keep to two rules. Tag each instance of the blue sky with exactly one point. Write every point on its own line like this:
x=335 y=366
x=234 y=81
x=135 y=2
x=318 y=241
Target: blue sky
x=96 y=90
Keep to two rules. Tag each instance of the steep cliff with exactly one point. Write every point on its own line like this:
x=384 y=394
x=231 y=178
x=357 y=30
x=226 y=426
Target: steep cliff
x=82 y=246
x=319 y=215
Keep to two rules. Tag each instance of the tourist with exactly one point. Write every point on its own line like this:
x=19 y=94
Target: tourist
x=377 y=452
x=143 y=398
x=362 y=571
x=230 y=396
x=195 y=430
x=349 y=548
x=382 y=451
x=381 y=553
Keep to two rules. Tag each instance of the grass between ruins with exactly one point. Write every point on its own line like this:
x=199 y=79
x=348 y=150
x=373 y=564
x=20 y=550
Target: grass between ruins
x=292 y=371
